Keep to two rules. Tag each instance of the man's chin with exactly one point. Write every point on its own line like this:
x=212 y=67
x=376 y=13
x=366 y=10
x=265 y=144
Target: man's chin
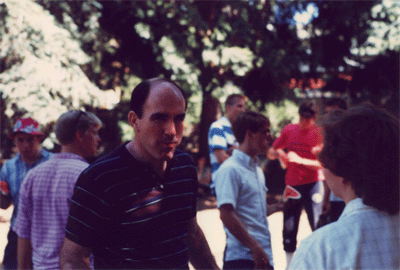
x=167 y=155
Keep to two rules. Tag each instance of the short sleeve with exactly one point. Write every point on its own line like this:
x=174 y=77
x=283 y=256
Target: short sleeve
x=89 y=214
x=281 y=141
x=23 y=222
x=217 y=138
x=4 y=173
x=227 y=186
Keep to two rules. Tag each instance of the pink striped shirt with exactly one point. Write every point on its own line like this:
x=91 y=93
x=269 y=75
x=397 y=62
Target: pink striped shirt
x=44 y=202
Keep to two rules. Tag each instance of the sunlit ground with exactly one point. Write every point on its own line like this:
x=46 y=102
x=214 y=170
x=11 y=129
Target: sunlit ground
x=211 y=224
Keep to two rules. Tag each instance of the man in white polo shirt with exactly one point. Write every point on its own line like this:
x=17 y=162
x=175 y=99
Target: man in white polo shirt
x=241 y=196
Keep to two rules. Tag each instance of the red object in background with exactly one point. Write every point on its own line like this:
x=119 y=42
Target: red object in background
x=4 y=188
x=290 y=193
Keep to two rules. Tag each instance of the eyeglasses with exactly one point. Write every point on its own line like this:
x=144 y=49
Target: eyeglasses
x=76 y=121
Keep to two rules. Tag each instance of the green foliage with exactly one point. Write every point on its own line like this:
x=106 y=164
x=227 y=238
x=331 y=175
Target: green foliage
x=207 y=47
x=281 y=114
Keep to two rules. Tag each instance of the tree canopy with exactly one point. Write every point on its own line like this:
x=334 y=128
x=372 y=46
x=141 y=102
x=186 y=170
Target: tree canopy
x=69 y=54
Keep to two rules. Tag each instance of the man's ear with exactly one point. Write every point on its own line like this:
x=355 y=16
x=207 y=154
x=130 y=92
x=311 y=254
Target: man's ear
x=133 y=118
x=79 y=135
x=249 y=135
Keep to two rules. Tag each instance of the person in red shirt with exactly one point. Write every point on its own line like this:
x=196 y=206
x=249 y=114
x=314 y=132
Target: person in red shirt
x=294 y=147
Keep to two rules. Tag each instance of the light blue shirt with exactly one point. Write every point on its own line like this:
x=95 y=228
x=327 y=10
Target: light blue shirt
x=241 y=182
x=362 y=238
x=220 y=136
x=13 y=172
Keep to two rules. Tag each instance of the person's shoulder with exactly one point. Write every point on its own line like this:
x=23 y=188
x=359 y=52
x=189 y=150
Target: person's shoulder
x=46 y=153
x=291 y=127
x=13 y=160
x=117 y=153
x=319 y=240
x=220 y=123
x=38 y=171
x=229 y=166
x=119 y=158
x=10 y=165
x=183 y=158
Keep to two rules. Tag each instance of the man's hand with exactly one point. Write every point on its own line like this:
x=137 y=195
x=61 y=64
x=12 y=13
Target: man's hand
x=317 y=149
x=200 y=254
x=74 y=256
x=236 y=227
x=260 y=258
x=295 y=158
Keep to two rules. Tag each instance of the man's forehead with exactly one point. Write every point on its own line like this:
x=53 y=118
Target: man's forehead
x=163 y=86
x=239 y=101
x=160 y=91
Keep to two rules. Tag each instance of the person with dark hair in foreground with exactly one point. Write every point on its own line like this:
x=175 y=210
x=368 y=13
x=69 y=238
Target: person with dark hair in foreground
x=360 y=157
x=135 y=208
x=241 y=196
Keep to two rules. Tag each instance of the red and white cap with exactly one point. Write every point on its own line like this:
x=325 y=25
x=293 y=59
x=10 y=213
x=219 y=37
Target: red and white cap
x=26 y=125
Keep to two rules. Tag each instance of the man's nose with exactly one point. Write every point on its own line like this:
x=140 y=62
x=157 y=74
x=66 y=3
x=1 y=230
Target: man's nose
x=25 y=144
x=170 y=128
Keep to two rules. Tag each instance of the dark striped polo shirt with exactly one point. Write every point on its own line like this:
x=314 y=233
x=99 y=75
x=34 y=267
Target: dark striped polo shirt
x=129 y=216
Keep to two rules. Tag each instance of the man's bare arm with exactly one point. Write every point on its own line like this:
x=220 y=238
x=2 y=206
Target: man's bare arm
x=221 y=155
x=74 y=256
x=199 y=251
x=236 y=227
x=24 y=256
x=309 y=163
x=278 y=154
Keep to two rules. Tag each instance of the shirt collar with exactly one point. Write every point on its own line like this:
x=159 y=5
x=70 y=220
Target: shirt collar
x=353 y=206
x=244 y=158
x=69 y=156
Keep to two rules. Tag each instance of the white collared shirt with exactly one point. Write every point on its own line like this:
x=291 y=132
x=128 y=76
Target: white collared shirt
x=241 y=182
x=362 y=238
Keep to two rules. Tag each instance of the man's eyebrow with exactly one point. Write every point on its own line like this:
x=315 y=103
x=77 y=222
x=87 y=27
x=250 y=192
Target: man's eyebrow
x=158 y=115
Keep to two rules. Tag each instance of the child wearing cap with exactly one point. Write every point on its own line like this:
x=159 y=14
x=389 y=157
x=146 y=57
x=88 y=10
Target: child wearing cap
x=27 y=138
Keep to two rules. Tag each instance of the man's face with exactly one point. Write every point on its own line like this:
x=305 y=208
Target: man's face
x=262 y=140
x=28 y=145
x=234 y=110
x=90 y=141
x=159 y=131
x=307 y=122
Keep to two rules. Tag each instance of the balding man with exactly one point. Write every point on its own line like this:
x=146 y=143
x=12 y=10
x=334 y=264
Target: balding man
x=136 y=207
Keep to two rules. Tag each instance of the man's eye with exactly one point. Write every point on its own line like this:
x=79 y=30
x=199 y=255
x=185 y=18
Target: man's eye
x=180 y=119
